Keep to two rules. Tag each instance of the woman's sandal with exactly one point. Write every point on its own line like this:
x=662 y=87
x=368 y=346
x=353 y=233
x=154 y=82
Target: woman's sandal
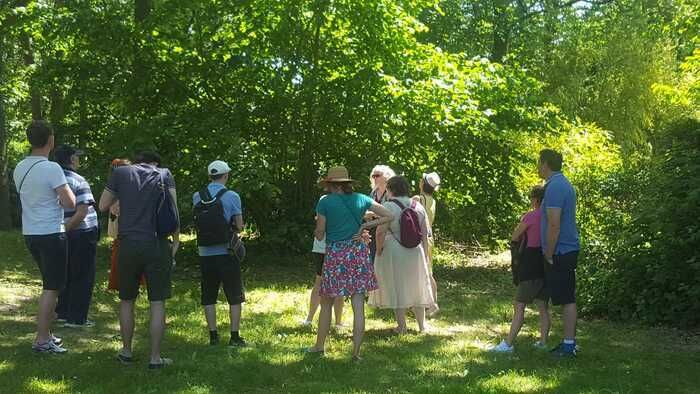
x=308 y=351
x=164 y=362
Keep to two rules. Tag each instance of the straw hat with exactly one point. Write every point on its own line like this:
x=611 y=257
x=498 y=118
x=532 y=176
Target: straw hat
x=337 y=174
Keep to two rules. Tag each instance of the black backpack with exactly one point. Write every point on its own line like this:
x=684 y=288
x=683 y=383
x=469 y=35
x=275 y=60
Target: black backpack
x=212 y=227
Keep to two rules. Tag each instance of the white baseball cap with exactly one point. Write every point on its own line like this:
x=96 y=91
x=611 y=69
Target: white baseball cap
x=432 y=179
x=218 y=167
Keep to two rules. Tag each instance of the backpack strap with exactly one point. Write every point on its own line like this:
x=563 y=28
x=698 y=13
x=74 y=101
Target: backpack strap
x=397 y=202
x=219 y=193
x=19 y=189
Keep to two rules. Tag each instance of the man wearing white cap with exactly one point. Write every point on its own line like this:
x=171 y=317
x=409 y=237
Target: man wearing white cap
x=218 y=217
x=428 y=184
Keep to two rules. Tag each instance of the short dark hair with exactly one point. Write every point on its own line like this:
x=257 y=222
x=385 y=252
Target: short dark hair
x=427 y=188
x=38 y=133
x=552 y=158
x=147 y=156
x=398 y=186
x=216 y=177
x=537 y=192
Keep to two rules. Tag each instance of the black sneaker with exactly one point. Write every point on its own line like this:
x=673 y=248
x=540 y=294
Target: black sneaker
x=237 y=342
x=213 y=341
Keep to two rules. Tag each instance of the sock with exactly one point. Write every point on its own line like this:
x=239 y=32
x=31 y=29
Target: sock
x=234 y=335
x=213 y=334
x=569 y=342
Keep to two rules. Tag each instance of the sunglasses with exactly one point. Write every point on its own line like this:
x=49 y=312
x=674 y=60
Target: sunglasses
x=375 y=176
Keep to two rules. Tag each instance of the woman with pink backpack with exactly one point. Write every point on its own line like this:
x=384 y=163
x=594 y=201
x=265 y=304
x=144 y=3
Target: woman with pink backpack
x=401 y=263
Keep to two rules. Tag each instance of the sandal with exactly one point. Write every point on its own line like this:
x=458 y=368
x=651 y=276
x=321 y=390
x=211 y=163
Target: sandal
x=164 y=362
x=308 y=351
x=126 y=360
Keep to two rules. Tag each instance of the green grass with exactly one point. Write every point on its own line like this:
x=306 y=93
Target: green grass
x=475 y=299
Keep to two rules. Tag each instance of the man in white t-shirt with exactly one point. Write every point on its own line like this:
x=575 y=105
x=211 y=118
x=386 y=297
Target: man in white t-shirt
x=44 y=193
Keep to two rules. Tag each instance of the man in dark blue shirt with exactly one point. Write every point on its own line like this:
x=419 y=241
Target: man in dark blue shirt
x=560 y=244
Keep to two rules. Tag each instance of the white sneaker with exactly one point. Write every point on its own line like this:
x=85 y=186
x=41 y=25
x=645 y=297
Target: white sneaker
x=305 y=323
x=502 y=348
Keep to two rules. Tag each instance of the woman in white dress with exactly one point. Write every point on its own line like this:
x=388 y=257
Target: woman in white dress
x=402 y=273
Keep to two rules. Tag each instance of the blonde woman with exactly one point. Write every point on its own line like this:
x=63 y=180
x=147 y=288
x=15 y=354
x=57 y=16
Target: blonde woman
x=378 y=177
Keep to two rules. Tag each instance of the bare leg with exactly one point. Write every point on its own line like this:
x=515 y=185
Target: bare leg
x=420 y=317
x=314 y=299
x=46 y=315
x=400 y=314
x=235 y=315
x=324 y=324
x=210 y=315
x=569 y=311
x=433 y=284
x=126 y=325
x=545 y=320
x=518 y=318
x=157 y=329
x=338 y=310
x=358 y=329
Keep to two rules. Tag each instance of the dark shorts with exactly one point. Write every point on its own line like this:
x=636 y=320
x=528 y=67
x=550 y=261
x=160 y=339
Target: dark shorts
x=317 y=259
x=49 y=252
x=151 y=258
x=560 y=278
x=530 y=290
x=218 y=270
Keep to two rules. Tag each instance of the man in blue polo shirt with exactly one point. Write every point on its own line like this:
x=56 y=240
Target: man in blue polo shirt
x=217 y=265
x=560 y=244
x=81 y=241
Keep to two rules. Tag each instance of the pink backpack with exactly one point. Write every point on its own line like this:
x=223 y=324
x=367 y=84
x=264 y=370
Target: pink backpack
x=409 y=223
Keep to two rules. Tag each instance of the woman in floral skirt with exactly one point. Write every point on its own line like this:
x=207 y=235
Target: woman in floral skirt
x=347 y=269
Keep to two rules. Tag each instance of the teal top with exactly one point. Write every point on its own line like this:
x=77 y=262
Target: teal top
x=344 y=214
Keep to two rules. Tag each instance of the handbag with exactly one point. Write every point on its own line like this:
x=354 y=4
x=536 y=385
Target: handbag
x=167 y=220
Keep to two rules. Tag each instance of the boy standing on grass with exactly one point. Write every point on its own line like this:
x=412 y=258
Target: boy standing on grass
x=528 y=275
x=44 y=193
x=219 y=218
x=560 y=244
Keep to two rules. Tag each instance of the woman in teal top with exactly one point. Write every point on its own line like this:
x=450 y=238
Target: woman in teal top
x=347 y=269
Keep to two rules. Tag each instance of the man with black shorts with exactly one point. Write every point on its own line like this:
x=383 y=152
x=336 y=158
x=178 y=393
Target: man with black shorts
x=219 y=266
x=139 y=188
x=560 y=244
x=44 y=192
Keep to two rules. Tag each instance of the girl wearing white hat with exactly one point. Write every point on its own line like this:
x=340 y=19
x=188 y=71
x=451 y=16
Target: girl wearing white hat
x=429 y=183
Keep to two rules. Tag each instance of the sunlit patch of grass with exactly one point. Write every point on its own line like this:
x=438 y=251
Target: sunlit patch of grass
x=516 y=382
x=37 y=385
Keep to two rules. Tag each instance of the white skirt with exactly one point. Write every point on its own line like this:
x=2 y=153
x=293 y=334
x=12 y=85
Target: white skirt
x=402 y=276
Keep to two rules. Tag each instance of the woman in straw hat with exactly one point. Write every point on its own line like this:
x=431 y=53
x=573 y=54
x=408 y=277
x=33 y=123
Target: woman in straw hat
x=429 y=183
x=347 y=269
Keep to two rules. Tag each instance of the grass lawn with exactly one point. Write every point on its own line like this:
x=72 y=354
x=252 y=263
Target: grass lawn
x=475 y=296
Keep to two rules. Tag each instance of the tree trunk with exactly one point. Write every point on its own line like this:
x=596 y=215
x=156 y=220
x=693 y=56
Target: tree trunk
x=5 y=211
x=501 y=31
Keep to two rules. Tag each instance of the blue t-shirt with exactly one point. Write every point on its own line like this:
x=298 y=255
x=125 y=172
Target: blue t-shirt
x=559 y=193
x=343 y=213
x=232 y=207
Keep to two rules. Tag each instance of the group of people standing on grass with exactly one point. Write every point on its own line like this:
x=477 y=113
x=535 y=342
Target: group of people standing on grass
x=359 y=251
x=376 y=247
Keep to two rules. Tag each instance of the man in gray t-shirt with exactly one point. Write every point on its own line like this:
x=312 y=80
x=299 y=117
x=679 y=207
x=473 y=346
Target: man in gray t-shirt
x=44 y=193
x=138 y=188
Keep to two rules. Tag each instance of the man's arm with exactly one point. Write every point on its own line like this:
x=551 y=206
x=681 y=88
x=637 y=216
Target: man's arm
x=77 y=218
x=65 y=196
x=238 y=221
x=107 y=199
x=176 y=234
x=553 y=227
